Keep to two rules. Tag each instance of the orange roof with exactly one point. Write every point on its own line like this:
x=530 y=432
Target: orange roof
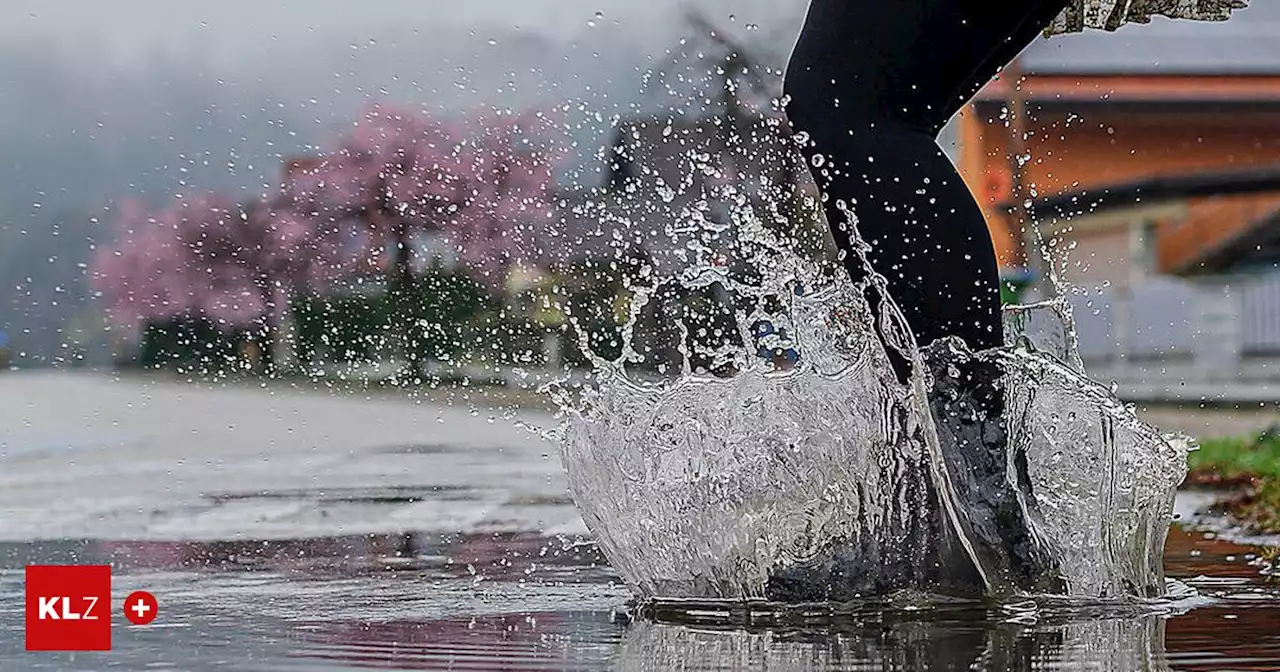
x=1145 y=88
x=1210 y=226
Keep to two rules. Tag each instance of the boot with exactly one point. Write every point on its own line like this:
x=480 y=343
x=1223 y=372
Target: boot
x=993 y=488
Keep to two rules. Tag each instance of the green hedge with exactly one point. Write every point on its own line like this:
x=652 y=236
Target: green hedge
x=192 y=345
x=363 y=327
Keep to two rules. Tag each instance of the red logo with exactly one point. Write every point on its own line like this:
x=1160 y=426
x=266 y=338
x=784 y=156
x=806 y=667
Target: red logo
x=140 y=607
x=68 y=608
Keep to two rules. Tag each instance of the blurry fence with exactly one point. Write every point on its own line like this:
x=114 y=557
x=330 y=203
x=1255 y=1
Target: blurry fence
x=1260 y=315
x=1210 y=337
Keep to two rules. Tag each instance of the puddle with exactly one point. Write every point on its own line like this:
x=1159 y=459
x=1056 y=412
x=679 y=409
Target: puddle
x=361 y=557
x=523 y=601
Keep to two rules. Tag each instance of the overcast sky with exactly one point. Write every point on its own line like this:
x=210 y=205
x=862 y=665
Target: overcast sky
x=101 y=99
x=132 y=27
x=138 y=88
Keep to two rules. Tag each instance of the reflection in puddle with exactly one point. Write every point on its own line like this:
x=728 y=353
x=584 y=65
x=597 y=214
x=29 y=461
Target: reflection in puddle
x=882 y=644
x=539 y=641
x=529 y=602
x=503 y=556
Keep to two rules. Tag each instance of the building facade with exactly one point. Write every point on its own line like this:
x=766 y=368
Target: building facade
x=1104 y=110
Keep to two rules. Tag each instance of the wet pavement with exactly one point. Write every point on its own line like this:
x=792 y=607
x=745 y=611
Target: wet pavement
x=303 y=531
x=87 y=456
x=1211 y=420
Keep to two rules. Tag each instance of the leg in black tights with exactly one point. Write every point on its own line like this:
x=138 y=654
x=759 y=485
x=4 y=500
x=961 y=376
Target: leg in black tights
x=871 y=82
x=1010 y=31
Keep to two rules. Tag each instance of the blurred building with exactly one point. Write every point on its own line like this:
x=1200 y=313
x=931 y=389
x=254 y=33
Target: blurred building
x=1108 y=110
x=1176 y=297
x=675 y=187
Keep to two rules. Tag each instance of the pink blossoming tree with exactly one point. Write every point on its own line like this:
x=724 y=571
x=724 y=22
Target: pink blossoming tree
x=209 y=257
x=485 y=183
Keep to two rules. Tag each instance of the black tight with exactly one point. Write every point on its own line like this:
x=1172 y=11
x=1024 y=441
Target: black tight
x=872 y=82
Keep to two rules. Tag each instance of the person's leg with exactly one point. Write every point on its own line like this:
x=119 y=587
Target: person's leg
x=871 y=82
x=865 y=82
x=1010 y=30
x=927 y=237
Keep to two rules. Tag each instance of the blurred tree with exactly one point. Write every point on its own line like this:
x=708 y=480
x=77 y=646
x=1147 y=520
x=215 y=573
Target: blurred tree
x=486 y=183
x=744 y=88
x=206 y=258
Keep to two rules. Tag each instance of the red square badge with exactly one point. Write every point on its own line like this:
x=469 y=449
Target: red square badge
x=68 y=608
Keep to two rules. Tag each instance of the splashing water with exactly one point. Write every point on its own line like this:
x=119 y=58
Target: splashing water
x=827 y=478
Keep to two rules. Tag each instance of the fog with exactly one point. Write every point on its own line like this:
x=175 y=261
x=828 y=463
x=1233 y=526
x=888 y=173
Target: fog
x=149 y=97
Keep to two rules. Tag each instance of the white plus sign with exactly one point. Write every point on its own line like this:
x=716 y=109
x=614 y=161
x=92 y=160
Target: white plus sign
x=140 y=608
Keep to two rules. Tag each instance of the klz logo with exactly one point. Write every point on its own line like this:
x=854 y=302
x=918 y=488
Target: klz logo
x=69 y=608
x=49 y=609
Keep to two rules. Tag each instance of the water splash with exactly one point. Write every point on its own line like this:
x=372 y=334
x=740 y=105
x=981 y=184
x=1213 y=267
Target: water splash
x=821 y=476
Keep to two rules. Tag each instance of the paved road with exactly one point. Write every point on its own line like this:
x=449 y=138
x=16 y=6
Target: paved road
x=1211 y=422
x=87 y=456
x=283 y=529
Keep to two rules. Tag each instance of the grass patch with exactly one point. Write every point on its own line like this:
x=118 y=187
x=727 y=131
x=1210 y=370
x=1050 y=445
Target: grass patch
x=1239 y=457
x=1250 y=465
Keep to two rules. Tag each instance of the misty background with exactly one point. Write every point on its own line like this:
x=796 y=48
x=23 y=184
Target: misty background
x=100 y=101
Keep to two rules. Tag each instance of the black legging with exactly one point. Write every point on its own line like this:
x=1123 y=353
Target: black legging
x=872 y=82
